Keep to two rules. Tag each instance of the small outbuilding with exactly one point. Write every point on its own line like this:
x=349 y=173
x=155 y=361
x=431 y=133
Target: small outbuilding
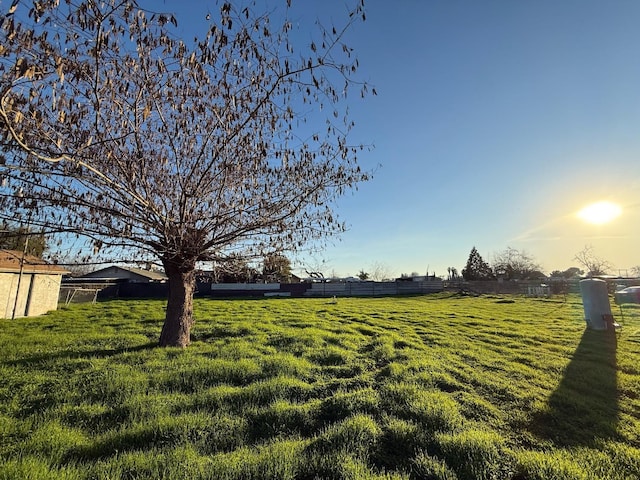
x=29 y=286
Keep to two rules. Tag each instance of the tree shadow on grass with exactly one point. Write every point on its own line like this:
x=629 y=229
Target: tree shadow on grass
x=74 y=354
x=583 y=410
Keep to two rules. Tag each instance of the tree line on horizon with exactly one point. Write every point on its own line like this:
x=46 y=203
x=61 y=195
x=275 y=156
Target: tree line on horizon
x=508 y=264
x=513 y=264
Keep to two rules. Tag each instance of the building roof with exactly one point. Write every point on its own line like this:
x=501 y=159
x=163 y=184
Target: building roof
x=109 y=272
x=150 y=274
x=11 y=260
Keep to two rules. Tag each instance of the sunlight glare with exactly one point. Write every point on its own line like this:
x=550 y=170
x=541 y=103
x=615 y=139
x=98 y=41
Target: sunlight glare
x=600 y=213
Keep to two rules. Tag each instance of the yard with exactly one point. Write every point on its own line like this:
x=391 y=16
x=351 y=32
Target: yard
x=427 y=387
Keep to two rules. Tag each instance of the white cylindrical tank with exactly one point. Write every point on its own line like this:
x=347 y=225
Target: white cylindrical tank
x=595 y=300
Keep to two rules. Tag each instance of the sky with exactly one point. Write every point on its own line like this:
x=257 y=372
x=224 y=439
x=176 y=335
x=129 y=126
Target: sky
x=495 y=122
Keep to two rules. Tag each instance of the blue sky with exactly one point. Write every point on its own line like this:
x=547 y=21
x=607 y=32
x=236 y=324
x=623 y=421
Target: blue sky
x=494 y=123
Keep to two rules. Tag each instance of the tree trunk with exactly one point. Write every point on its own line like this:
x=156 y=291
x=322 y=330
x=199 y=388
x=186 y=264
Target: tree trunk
x=179 y=318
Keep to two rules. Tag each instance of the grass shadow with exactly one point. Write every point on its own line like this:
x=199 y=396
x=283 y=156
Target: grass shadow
x=583 y=410
x=46 y=358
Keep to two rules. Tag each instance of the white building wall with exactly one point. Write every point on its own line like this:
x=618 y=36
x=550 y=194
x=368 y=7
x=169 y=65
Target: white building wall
x=7 y=294
x=38 y=294
x=44 y=294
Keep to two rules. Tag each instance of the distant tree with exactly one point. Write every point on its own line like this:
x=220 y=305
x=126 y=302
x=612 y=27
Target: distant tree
x=379 y=271
x=316 y=267
x=116 y=129
x=592 y=263
x=635 y=271
x=535 y=275
x=513 y=264
x=362 y=275
x=276 y=267
x=573 y=272
x=14 y=237
x=568 y=273
x=453 y=273
x=235 y=269
x=477 y=268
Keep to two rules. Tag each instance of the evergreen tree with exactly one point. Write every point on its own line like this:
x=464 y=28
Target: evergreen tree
x=477 y=268
x=363 y=275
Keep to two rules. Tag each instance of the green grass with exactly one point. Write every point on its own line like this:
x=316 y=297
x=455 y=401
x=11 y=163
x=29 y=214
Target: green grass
x=434 y=387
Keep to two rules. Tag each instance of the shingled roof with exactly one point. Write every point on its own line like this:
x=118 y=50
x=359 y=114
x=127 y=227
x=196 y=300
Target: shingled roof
x=10 y=261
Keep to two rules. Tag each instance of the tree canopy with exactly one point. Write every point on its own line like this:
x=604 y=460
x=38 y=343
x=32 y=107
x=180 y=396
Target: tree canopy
x=514 y=264
x=276 y=267
x=362 y=275
x=476 y=268
x=13 y=237
x=571 y=272
x=114 y=128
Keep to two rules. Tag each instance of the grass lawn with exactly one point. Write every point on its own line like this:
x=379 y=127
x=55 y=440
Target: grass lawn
x=431 y=387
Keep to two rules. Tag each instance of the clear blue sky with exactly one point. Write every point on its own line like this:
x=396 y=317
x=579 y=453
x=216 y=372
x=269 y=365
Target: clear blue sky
x=495 y=122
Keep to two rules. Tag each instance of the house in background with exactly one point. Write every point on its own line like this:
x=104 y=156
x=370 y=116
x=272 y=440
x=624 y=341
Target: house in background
x=29 y=286
x=127 y=274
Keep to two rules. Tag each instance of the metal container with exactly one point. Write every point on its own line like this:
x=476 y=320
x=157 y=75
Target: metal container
x=595 y=300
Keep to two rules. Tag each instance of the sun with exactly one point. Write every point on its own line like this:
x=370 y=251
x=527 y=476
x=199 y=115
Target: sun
x=600 y=213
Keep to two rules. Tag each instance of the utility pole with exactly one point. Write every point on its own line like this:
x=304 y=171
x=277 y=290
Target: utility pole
x=22 y=259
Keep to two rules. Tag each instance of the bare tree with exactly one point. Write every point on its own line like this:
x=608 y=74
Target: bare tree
x=115 y=129
x=593 y=264
x=515 y=264
x=379 y=271
x=315 y=267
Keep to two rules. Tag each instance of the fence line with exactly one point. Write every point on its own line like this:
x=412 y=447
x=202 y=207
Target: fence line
x=364 y=289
